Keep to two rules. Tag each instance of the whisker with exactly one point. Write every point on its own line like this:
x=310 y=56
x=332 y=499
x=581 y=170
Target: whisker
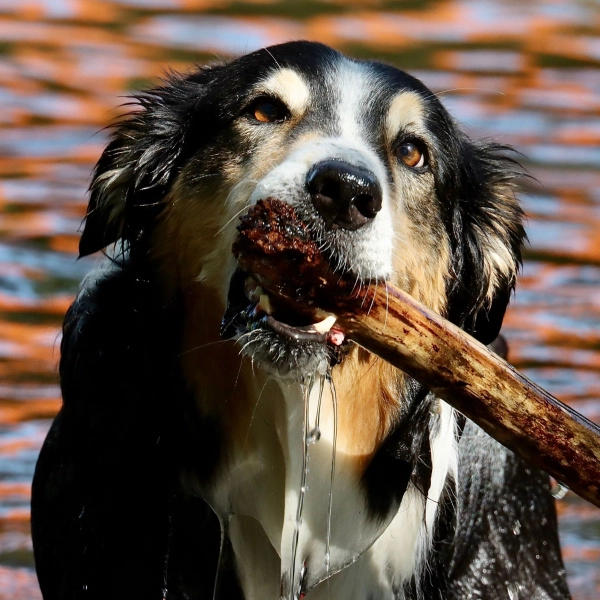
x=236 y=190
x=467 y=89
x=198 y=177
x=271 y=55
x=387 y=305
x=201 y=346
x=237 y=379
x=376 y=288
x=254 y=412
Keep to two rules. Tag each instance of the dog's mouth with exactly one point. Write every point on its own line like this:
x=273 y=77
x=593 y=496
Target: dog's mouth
x=276 y=251
x=251 y=308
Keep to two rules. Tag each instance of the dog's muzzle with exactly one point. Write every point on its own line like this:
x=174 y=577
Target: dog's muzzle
x=337 y=200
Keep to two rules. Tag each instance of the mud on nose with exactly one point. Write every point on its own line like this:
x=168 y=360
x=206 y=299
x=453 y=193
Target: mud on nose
x=346 y=196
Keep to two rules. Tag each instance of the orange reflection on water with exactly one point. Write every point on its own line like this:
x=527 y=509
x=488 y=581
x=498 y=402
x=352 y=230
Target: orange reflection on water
x=18 y=584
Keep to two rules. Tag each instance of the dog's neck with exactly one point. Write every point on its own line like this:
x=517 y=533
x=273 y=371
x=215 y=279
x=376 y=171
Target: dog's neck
x=295 y=507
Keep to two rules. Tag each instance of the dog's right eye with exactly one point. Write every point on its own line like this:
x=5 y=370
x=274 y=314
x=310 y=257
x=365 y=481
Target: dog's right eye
x=268 y=110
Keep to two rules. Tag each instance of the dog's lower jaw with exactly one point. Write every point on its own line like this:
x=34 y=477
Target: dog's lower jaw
x=284 y=359
x=284 y=351
x=332 y=546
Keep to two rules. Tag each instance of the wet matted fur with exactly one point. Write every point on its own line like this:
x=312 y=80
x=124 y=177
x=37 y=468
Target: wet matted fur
x=201 y=456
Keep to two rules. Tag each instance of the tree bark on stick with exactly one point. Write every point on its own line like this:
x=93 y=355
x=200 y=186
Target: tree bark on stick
x=481 y=385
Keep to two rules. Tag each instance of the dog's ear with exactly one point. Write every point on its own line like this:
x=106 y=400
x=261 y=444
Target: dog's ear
x=139 y=164
x=487 y=239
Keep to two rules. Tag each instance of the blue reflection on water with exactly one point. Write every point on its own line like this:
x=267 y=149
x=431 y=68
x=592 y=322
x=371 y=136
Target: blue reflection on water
x=51 y=141
x=49 y=264
x=208 y=33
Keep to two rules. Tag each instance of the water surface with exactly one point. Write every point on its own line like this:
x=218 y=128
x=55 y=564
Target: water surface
x=524 y=73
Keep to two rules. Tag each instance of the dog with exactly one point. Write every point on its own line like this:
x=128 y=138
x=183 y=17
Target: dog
x=204 y=450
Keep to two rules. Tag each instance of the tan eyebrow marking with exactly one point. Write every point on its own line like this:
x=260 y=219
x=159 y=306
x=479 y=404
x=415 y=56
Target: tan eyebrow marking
x=406 y=110
x=289 y=87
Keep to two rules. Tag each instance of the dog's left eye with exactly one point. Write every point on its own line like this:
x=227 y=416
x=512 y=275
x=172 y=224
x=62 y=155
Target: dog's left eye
x=268 y=110
x=412 y=155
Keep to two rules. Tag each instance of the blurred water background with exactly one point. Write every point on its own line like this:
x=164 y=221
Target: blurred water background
x=524 y=73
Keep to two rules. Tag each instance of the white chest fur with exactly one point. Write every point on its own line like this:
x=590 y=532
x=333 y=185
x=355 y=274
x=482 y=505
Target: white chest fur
x=296 y=512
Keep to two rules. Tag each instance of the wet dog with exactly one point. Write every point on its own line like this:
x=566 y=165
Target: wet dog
x=210 y=445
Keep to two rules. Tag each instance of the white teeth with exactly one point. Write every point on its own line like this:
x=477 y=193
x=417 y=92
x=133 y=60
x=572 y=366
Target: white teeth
x=255 y=293
x=252 y=289
x=264 y=304
x=325 y=325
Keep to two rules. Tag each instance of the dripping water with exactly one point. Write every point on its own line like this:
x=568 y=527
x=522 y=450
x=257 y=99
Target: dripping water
x=311 y=436
x=314 y=434
x=224 y=522
x=306 y=389
x=332 y=474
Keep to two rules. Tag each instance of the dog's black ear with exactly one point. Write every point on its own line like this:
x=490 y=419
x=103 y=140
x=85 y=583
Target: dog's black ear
x=139 y=164
x=487 y=238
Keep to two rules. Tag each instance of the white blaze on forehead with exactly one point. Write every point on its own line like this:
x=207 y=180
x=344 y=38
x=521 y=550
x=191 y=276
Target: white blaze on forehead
x=405 y=112
x=289 y=87
x=356 y=89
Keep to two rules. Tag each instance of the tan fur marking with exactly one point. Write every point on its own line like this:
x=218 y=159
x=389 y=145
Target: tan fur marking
x=423 y=269
x=406 y=111
x=421 y=249
x=421 y=252
x=194 y=236
x=225 y=383
x=368 y=395
x=290 y=88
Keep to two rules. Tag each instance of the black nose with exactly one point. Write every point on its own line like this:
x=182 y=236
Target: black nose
x=345 y=196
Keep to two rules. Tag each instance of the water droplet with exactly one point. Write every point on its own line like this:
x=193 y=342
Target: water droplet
x=517 y=528
x=314 y=435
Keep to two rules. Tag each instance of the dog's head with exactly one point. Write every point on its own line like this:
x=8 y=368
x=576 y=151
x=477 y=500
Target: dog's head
x=389 y=186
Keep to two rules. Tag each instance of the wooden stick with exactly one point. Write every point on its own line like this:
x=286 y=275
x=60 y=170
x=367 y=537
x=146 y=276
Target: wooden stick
x=278 y=249
x=481 y=385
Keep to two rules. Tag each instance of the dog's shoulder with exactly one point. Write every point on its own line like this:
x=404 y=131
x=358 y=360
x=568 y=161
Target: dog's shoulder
x=114 y=334
x=506 y=536
x=107 y=479
x=105 y=311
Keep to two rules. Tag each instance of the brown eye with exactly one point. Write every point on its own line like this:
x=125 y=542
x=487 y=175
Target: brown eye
x=411 y=155
x=268 y=110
